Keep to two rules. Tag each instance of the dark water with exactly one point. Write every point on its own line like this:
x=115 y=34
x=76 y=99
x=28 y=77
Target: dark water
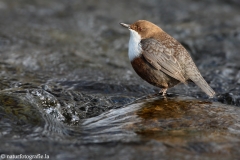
x=68 y=90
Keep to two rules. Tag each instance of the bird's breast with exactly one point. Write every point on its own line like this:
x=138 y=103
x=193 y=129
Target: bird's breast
x=134 y=46
x=151 y=75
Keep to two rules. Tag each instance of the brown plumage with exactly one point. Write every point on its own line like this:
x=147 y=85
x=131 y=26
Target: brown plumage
x=160 y=59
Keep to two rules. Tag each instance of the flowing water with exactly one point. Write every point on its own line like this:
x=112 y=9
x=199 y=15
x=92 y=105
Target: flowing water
x=68 y=90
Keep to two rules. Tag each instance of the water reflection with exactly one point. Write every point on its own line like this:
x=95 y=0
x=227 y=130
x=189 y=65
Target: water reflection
x=164 y=108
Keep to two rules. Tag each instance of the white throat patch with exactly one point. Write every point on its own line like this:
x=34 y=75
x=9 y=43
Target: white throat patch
x=134 y=46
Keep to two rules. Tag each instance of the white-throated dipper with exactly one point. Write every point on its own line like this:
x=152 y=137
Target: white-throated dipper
x=160 y=59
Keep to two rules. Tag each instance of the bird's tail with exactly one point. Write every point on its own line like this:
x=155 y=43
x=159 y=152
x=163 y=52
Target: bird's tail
x=197 y=78
x=205 y=87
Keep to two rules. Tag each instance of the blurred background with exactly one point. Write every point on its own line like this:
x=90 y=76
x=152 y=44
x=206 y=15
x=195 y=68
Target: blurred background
x=64 y=61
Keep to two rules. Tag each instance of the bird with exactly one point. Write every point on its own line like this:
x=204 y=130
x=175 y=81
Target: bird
x=160 y=59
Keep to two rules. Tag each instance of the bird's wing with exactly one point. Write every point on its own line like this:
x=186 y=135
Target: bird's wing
x=161 y=58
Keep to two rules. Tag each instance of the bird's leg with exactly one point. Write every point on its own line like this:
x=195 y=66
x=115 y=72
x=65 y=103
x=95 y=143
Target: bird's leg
x=163 y=91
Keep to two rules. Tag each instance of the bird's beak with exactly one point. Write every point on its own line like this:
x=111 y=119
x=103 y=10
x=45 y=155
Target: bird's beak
x=125 y=25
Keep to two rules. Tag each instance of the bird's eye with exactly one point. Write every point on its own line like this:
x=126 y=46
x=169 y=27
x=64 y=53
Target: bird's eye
x=141 y=29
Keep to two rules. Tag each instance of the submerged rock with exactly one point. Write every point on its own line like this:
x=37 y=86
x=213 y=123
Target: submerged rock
x=184 y=127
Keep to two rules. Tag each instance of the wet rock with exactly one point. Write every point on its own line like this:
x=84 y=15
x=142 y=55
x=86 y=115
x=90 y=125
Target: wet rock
x=182 y=125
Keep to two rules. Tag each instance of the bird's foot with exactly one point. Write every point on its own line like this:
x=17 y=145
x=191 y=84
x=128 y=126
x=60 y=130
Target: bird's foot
x=163 y=91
